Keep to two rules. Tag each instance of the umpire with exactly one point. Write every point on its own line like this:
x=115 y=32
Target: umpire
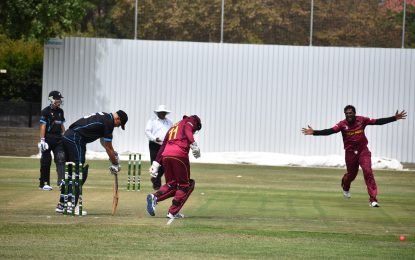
x=51 y=131
x=156 y=129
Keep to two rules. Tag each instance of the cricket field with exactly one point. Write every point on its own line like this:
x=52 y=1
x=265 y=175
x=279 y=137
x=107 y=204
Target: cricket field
x=235 y=212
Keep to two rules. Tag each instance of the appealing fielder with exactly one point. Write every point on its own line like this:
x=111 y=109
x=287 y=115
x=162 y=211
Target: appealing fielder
x=356 y=150
x=51 y=131
x=86 y=130
x=174 y=156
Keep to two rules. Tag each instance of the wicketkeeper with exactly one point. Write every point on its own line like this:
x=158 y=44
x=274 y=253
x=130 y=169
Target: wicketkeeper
x=174 y=156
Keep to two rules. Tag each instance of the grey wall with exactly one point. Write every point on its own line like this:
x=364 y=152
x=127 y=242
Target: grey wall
x=249 y=97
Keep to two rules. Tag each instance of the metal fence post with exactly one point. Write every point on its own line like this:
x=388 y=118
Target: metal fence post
x=311 y=22
x=135 y=20
x=403 y=24
x=221 y=20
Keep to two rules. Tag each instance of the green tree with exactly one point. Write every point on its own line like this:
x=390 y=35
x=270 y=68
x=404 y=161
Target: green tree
x=186 y=20
x=410 y=27
x=354 y=23
x=23 y=61
x=267 y=21
x=40 y=20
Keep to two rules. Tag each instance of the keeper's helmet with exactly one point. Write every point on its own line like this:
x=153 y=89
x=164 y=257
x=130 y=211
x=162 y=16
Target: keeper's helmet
x=55 y=98
x=195 y=121
x=198 y=123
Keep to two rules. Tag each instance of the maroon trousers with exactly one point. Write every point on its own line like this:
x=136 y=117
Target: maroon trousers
x=353 y=160
x=178 y=182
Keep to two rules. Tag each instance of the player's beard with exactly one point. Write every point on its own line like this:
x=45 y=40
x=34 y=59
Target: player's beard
x=351 y=119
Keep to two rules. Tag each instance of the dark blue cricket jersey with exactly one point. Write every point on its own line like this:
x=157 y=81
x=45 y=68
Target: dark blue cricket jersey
x=53 y=119
x=95 y=126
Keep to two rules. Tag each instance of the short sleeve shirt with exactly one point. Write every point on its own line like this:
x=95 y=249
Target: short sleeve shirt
x=53 y=119
x=178 y=140
x=354 y=137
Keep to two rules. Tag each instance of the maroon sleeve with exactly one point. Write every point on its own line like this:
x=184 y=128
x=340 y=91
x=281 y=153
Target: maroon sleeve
x=368 y=121
x=337 y=127
x=188 y=131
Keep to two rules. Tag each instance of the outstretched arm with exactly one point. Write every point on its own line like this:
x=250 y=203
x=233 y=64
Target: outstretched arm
x=398 y=116
x=311 y=131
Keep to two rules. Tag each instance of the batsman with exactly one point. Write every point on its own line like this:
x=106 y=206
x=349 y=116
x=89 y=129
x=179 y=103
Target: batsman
x=87 y=130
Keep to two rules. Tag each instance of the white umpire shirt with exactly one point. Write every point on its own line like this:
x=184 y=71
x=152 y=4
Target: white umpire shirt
x=157 y=127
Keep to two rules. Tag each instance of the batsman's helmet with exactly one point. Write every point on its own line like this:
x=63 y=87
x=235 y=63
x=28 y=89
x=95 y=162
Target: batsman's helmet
x=55 y=97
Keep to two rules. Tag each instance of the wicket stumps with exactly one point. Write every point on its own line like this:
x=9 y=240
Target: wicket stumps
x=73 y=180
x=134 y=177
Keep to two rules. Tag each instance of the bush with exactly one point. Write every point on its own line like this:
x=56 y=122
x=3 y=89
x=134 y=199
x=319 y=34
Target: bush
x=23 y=61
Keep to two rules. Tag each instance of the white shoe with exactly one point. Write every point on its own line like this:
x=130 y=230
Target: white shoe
x=84 y=213
x=47 y=187
x=347 y=194
x=59 y=208
x=374 y=204
x=171 y=216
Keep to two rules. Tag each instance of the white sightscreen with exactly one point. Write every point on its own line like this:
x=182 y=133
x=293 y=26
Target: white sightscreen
x=249 y=97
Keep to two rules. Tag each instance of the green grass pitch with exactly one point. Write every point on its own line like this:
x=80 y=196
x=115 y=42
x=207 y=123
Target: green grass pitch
x=235 y=212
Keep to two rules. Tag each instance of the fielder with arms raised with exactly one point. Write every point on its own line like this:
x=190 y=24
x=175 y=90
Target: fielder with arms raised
x=356 y=150
x=174 y=156
x=86 y=130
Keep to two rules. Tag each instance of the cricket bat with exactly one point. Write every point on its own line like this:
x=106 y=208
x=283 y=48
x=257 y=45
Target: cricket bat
x=115 y=196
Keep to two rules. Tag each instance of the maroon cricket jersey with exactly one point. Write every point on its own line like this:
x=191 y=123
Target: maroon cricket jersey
x=354 y=137
x=177 y=141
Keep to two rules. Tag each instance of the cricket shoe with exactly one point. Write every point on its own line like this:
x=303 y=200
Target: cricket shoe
x=374 y=204
x=151 y=204
x=84 y=213
x=47 y=187
x=347 y=194
x=59 y=208
x=177 y=215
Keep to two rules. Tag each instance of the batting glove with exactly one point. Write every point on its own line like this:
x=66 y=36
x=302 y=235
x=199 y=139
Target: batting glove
x=115 y=168
x=43 y=146
x=154 y=169
x=195 y=150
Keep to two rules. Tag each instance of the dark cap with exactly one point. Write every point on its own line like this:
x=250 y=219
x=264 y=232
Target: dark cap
x=123 y=117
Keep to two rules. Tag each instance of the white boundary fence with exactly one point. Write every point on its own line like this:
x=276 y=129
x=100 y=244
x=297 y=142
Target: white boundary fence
x=252 y=98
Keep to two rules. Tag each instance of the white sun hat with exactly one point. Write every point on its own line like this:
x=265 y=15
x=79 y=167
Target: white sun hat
x=161 y=108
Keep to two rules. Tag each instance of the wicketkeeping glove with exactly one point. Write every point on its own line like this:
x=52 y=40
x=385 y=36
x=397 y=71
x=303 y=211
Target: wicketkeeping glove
x=43 y=146
x=195 y=150
x=154 y=169
x=115 y=168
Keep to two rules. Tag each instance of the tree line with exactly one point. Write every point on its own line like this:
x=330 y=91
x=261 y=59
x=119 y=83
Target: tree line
x=25 y=25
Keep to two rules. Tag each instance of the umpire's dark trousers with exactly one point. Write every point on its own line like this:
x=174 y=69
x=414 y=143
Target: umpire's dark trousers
x=154 y=149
